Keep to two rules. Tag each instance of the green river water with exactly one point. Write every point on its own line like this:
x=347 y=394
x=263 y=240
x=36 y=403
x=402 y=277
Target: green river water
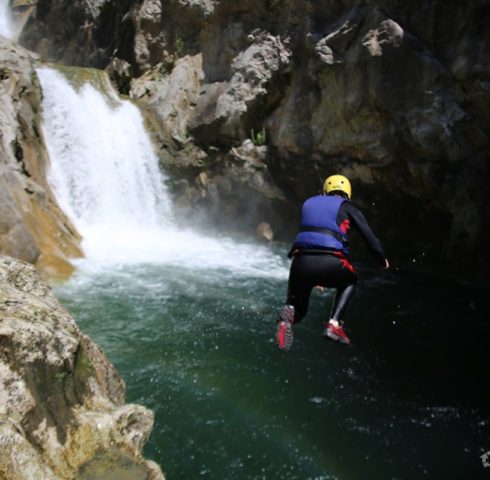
x=408 y=400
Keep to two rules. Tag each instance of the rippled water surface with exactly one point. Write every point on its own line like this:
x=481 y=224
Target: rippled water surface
x=406 y=401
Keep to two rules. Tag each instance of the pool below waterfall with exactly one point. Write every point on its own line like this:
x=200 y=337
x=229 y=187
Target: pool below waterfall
x=406 y=401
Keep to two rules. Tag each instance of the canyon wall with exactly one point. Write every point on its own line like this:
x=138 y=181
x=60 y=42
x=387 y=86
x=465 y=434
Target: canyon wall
x=32 y=226
x=251 y=104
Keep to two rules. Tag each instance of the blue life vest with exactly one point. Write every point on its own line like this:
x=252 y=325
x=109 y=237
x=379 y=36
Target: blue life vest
x=318 y=228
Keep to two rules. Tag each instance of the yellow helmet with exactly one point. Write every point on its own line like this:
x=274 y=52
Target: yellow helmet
x=337 y=183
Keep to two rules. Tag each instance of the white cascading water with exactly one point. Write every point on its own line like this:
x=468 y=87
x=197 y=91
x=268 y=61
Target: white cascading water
x=106 y=177
x=7 y=24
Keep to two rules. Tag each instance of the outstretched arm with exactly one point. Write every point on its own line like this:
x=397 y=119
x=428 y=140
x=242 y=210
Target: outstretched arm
x=359 y=221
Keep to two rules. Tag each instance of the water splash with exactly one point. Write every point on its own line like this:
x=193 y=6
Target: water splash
x=106 y=176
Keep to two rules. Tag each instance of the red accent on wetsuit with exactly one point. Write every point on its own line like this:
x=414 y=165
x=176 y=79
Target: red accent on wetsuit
x=345 y=226
x=344 y=261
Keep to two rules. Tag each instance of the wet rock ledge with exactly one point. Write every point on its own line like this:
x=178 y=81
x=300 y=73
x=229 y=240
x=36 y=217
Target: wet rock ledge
x=62 y=410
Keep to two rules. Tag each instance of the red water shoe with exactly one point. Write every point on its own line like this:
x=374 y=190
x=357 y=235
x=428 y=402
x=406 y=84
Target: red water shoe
x=284 y=332
x=335 y=331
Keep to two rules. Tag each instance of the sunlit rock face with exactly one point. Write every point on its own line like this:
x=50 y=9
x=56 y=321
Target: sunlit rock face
x=32 y=226
x=393 y=94
x=62 y=411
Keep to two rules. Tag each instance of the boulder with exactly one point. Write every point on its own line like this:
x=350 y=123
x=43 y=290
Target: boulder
x=264 y=232
x=62 y=410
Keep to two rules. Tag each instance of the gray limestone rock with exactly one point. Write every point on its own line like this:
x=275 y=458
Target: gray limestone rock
x=62 y=411
x=32 y=227
x=225 y=111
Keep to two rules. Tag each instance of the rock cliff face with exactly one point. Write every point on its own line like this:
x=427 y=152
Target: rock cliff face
x=62 y=411
x=32 y=226
x=393 y=94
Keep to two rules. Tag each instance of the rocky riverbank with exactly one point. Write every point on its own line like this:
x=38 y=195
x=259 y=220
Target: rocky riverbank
x=32 y=226
x=62 y=410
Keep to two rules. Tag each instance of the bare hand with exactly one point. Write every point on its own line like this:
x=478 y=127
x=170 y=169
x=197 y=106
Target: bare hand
x=387 y=264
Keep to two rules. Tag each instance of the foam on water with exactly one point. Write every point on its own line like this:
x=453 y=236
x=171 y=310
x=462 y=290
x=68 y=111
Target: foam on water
x=106 y=176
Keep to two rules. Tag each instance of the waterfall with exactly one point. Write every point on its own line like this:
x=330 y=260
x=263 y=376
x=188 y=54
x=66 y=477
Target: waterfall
x=7 y=24
x=106 y=177
x=104 y=170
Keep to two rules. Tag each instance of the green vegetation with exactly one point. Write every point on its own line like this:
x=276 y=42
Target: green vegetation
x=258 y=139
x=179 y=46
x=83 y=365
x=60 y=376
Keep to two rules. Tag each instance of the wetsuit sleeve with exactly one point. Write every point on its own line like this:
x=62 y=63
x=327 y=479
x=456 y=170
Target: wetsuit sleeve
x=358 y=221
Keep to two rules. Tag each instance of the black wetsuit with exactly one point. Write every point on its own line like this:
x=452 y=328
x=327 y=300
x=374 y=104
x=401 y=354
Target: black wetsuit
x=313 y=266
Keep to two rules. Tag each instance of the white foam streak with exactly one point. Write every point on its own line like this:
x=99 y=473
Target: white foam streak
x=105 y=175
x=7 y=24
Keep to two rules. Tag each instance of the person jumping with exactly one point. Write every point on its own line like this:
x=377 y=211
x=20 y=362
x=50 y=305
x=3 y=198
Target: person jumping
x=319 y=255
